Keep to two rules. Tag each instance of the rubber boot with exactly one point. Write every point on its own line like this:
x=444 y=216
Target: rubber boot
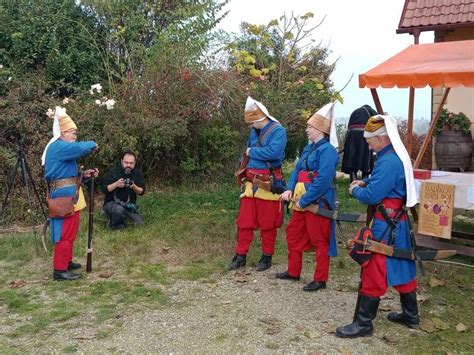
x=73 y=266
x=264 y=263
x=362 y=325
x=237 y=261
x=409 y=315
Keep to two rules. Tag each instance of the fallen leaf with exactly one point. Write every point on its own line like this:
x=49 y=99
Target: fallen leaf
x=386 y=308
x=440 y=324
x=84 y=336
x=270 y=321
x=272 y=330
x=428 y=326
x=331 y=328
x=345 y=351
x=241 y=279
x=461 y=327
x=165 y=250
x=435 y=282
x=312 y=334
x=422 y=297
x=17 y=283
x=391 y=339
x=226 y=302
x=211 y=285
x=106 y=274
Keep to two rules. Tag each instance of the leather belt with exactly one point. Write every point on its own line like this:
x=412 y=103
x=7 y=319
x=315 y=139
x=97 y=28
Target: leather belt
x=56 y=184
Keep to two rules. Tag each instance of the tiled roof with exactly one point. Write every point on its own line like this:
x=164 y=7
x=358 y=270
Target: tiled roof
x=436 y=14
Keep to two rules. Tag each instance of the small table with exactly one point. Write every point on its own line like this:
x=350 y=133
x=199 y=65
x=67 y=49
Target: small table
x=464 y=182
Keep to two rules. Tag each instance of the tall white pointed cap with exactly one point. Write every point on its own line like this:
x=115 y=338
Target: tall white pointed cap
x=256 y=111
x=325 y=122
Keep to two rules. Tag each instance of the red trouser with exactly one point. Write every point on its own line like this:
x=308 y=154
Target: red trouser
x=374 y=278
x=305 y=231
x=63 y=249
x=260 y=214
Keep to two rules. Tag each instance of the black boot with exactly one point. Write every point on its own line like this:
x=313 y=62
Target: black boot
x=353 y=176
x=74 y=266
x=237 y=261
x=362 y=325
x=409 y=315
x=286 y=276
x=264 y=263
x=59 y=275
x=314 y=286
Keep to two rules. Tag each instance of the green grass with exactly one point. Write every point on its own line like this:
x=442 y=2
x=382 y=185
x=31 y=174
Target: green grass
x=189 y=234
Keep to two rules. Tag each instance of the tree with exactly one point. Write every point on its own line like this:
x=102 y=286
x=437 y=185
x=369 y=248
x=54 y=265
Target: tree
x=286 y=70
x=55 y=38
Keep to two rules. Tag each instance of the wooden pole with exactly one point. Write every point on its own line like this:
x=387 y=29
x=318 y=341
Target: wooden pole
x=431 y=129
x=90 y=235
x=377 y=103
x=411 y=108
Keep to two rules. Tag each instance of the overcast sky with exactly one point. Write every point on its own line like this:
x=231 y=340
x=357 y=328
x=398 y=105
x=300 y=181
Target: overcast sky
x=360 y=33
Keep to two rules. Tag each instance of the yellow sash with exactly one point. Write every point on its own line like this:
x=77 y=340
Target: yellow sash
x=299 y=191
x=81 y=201
x=260 y=193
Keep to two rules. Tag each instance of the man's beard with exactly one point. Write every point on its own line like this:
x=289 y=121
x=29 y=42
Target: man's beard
x=127 y=171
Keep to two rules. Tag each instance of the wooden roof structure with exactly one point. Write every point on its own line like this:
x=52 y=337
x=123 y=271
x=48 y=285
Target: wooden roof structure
x=443 y=64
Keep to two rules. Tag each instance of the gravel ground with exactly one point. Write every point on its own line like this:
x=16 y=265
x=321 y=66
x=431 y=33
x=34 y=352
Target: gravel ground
x=242 y=312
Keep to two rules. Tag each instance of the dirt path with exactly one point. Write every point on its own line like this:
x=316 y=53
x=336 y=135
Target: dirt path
x=240 y=312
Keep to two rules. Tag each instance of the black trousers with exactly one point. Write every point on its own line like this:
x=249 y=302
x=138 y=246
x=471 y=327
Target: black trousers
x=118 y=215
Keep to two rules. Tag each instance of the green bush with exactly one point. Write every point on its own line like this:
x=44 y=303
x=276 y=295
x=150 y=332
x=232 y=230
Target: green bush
x=449 y=121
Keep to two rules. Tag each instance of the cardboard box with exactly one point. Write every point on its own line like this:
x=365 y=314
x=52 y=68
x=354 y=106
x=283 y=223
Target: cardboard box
x=421 y=174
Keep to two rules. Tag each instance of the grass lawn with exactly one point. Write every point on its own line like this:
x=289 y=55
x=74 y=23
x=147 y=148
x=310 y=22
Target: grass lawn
x=188 y=235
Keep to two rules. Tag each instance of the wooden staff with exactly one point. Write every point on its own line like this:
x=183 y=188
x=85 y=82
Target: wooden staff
x=90 y=235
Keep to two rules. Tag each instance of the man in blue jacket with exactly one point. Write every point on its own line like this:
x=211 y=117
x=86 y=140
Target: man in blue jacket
x=61 y=174
x=392 y=186
x=311 y=182
x=260 y=206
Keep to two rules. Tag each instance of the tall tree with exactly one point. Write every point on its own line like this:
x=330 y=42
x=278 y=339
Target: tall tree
x=286 y=70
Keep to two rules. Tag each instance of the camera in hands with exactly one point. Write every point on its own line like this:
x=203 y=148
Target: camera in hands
x=128 y=183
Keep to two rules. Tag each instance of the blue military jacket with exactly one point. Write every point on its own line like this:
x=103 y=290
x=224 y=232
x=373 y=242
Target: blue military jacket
x=320 y=157
x=388 y=181
x=60 y=163
x=271 y=150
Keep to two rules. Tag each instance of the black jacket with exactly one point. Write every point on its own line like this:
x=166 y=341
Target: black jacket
x=124 y=194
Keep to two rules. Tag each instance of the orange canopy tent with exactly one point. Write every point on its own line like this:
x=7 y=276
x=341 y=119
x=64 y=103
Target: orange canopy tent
x=443 y=64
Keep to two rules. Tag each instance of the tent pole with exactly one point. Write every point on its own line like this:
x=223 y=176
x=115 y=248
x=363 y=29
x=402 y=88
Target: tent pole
x=377 y=103
x=431 y=129
x=411 y=106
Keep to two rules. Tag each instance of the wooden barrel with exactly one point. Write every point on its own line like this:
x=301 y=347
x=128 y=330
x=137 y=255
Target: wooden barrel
x=453 y=150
